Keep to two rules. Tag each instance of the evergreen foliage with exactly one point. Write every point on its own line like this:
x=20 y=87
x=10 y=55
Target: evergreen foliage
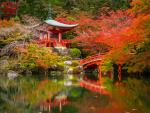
x=75 y=53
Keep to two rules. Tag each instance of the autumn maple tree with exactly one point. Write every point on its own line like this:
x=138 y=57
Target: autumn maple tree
x=140 y=27
x=107 y=31
x=120 y=33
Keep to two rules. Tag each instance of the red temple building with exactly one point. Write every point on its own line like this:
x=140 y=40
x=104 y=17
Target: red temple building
x=50 y=33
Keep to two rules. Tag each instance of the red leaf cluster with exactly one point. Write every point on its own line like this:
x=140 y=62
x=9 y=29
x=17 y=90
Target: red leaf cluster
x=114 y=31
x=65 y=20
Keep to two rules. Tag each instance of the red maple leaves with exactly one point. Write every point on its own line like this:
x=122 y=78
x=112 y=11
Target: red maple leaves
x=111 y=31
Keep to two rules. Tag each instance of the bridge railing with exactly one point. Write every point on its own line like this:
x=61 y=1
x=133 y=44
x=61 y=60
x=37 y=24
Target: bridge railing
x=91 y=58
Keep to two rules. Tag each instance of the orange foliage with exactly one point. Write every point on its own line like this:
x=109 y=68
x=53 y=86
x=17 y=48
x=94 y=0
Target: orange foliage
x=141 y=25
x=42 y=64
x=118 y=31
x=42 y=83
x=112 y=30
x=7 y=23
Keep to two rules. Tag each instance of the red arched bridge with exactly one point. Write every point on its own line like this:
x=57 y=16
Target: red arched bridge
x=88 y=84
x=96 y=86
x=94 y=59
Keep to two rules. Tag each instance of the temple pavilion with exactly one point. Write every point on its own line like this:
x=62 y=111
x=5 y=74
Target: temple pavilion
x=50 y=32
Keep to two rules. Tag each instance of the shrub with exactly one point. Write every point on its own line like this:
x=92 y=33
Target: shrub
x=16 y=18
x=75 y=63
x=75 y=53
x=33 y=56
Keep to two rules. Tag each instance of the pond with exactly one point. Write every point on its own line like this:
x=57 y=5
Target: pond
x=77 y=96
x=33 y=94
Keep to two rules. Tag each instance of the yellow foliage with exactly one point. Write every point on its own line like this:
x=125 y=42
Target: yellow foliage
x=140 y=6
x=35 y=56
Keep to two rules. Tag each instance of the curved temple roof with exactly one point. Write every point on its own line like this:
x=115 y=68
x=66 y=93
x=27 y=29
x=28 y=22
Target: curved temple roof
x=58 y=24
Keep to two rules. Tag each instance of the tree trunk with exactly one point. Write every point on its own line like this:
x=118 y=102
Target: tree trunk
x=100 y=73
x=119 y=72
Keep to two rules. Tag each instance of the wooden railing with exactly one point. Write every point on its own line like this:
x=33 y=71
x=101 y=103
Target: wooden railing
x=54 y=41
x=92 y=58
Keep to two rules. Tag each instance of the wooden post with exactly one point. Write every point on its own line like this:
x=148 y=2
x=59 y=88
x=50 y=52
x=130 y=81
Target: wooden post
x=49 y=108
x=100 y=73
x=111 y=74
x=119 y=72
x=45 y=37
x=60 y=106
x=38 y=35
x=59 y=37
x=69 y=45
x=49 y=36
x=42 y=36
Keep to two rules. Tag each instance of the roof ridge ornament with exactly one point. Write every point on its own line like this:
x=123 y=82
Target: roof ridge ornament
x=49 y=13
x=52 y=22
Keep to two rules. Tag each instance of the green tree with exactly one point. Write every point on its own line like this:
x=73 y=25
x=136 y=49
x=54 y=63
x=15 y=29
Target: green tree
x=119 y=4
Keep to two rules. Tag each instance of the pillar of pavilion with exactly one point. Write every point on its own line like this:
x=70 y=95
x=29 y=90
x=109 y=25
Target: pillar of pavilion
x=51 y=35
